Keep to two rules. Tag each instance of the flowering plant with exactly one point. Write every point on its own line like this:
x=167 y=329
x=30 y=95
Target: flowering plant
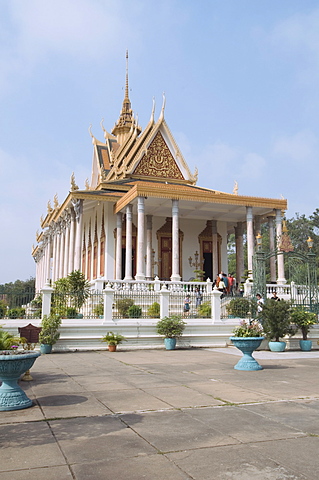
x=249 y=329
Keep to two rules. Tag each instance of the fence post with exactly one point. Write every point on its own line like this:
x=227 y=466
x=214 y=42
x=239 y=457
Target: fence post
x=46 y=292
x=164 y=302
x=209 y=285
x=108 y=303
x=157 y=284
x=248 y=288
x=215 y=303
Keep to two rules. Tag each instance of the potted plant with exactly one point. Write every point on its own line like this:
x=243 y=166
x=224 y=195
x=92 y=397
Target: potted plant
x=303 y=321
x=247 y=338
x=172 y=328
x=113 y=339
x=275 y=318
x=13 y=363
x=49 y=334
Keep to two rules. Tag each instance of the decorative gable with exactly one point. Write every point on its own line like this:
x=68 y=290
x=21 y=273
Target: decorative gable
x=158 y=161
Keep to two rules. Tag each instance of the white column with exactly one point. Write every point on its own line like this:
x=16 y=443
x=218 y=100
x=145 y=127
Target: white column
x=72 y=240
x=66 y=246
x=214 y=249
x=149 y=247
x=57 y=258
x=272 y=259
x=62 y=243
x=250 y=240
x=128 y=246
x=280 y=258
x=48 y=260
x=54 y=233
x=43 y=266
x=40 y=268
x=239 y=252
x=175 y=242
x=78 y=208
x=140 y=270
x=118 y=255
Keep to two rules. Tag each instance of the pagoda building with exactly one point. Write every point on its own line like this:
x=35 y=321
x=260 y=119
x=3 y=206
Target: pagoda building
x=142 y=215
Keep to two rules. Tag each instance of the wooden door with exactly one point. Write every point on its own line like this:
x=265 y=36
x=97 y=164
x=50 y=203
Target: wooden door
x=166 y=258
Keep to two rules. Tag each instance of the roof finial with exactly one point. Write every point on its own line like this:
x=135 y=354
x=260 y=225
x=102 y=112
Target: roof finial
x=161 y=117
x=153 y=111
x=126 y=77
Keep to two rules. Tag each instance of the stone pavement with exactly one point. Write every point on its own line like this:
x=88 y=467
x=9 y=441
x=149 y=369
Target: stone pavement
x=163 y=415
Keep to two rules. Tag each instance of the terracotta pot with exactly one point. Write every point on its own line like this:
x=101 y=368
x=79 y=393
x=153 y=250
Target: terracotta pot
x=112 y=348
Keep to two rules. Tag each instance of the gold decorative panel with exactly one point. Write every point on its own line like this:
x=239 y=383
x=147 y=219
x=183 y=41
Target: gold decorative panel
x=158 y=161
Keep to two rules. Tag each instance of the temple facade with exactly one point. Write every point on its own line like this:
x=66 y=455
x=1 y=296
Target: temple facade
x=142 y=214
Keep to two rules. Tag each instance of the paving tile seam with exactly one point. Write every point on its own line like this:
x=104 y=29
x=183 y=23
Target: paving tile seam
x=139 y=435
x=178 y=466
x=147 y=411
x=61 y=450
x=31 y=469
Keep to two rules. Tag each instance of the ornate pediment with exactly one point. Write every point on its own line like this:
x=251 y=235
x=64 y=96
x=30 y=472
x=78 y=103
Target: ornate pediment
x=158 y=161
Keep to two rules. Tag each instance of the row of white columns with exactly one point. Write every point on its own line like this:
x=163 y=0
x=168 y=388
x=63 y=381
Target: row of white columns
x=61 y=248
x=141 y=274
x=144 y=269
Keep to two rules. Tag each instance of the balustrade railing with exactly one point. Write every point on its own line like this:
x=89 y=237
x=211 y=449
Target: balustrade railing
x=143 y=300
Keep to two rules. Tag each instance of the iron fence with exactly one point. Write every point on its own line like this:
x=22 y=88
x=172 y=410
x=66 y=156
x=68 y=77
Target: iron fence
x=238 y=307
x=75 y=305
x=136 y=304
x=20 y=305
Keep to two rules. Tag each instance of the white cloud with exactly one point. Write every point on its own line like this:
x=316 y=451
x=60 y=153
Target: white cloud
x=299 y=32
x=220 y=165
x=301 y=147
x=32 y=31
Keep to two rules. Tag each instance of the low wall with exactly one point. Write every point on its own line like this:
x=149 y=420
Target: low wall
x=86 y=335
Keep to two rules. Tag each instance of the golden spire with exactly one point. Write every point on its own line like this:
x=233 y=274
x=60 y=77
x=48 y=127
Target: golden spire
x=125 y=121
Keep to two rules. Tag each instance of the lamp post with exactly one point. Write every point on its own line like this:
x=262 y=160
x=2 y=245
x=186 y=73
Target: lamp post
x=259 y=277
x=313 y=293
x=197 y=264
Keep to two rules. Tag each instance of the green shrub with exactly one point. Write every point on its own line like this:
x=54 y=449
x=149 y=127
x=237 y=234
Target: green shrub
x=7 y=340
x=17 y=312
x=171 y=327
x=99 y=310
x=205 y=310
x=275 y=318
x=134 y=311
x=49 y=334
x=239 y=307
x=71 y=312
x=154 y=310
x=122 y=305
x=3 y=309
x=303 y=320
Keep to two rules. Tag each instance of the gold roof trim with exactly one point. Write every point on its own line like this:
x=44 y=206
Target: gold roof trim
x=175 y=193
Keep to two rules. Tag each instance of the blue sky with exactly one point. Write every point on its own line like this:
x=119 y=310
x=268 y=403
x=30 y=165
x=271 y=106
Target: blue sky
x=240 y=79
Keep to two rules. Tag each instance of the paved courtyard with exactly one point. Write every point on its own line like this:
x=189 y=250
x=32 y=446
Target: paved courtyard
x=157 y=415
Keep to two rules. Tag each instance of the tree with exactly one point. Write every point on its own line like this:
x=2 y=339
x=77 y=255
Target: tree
x=70 y=292
x=18 y=293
